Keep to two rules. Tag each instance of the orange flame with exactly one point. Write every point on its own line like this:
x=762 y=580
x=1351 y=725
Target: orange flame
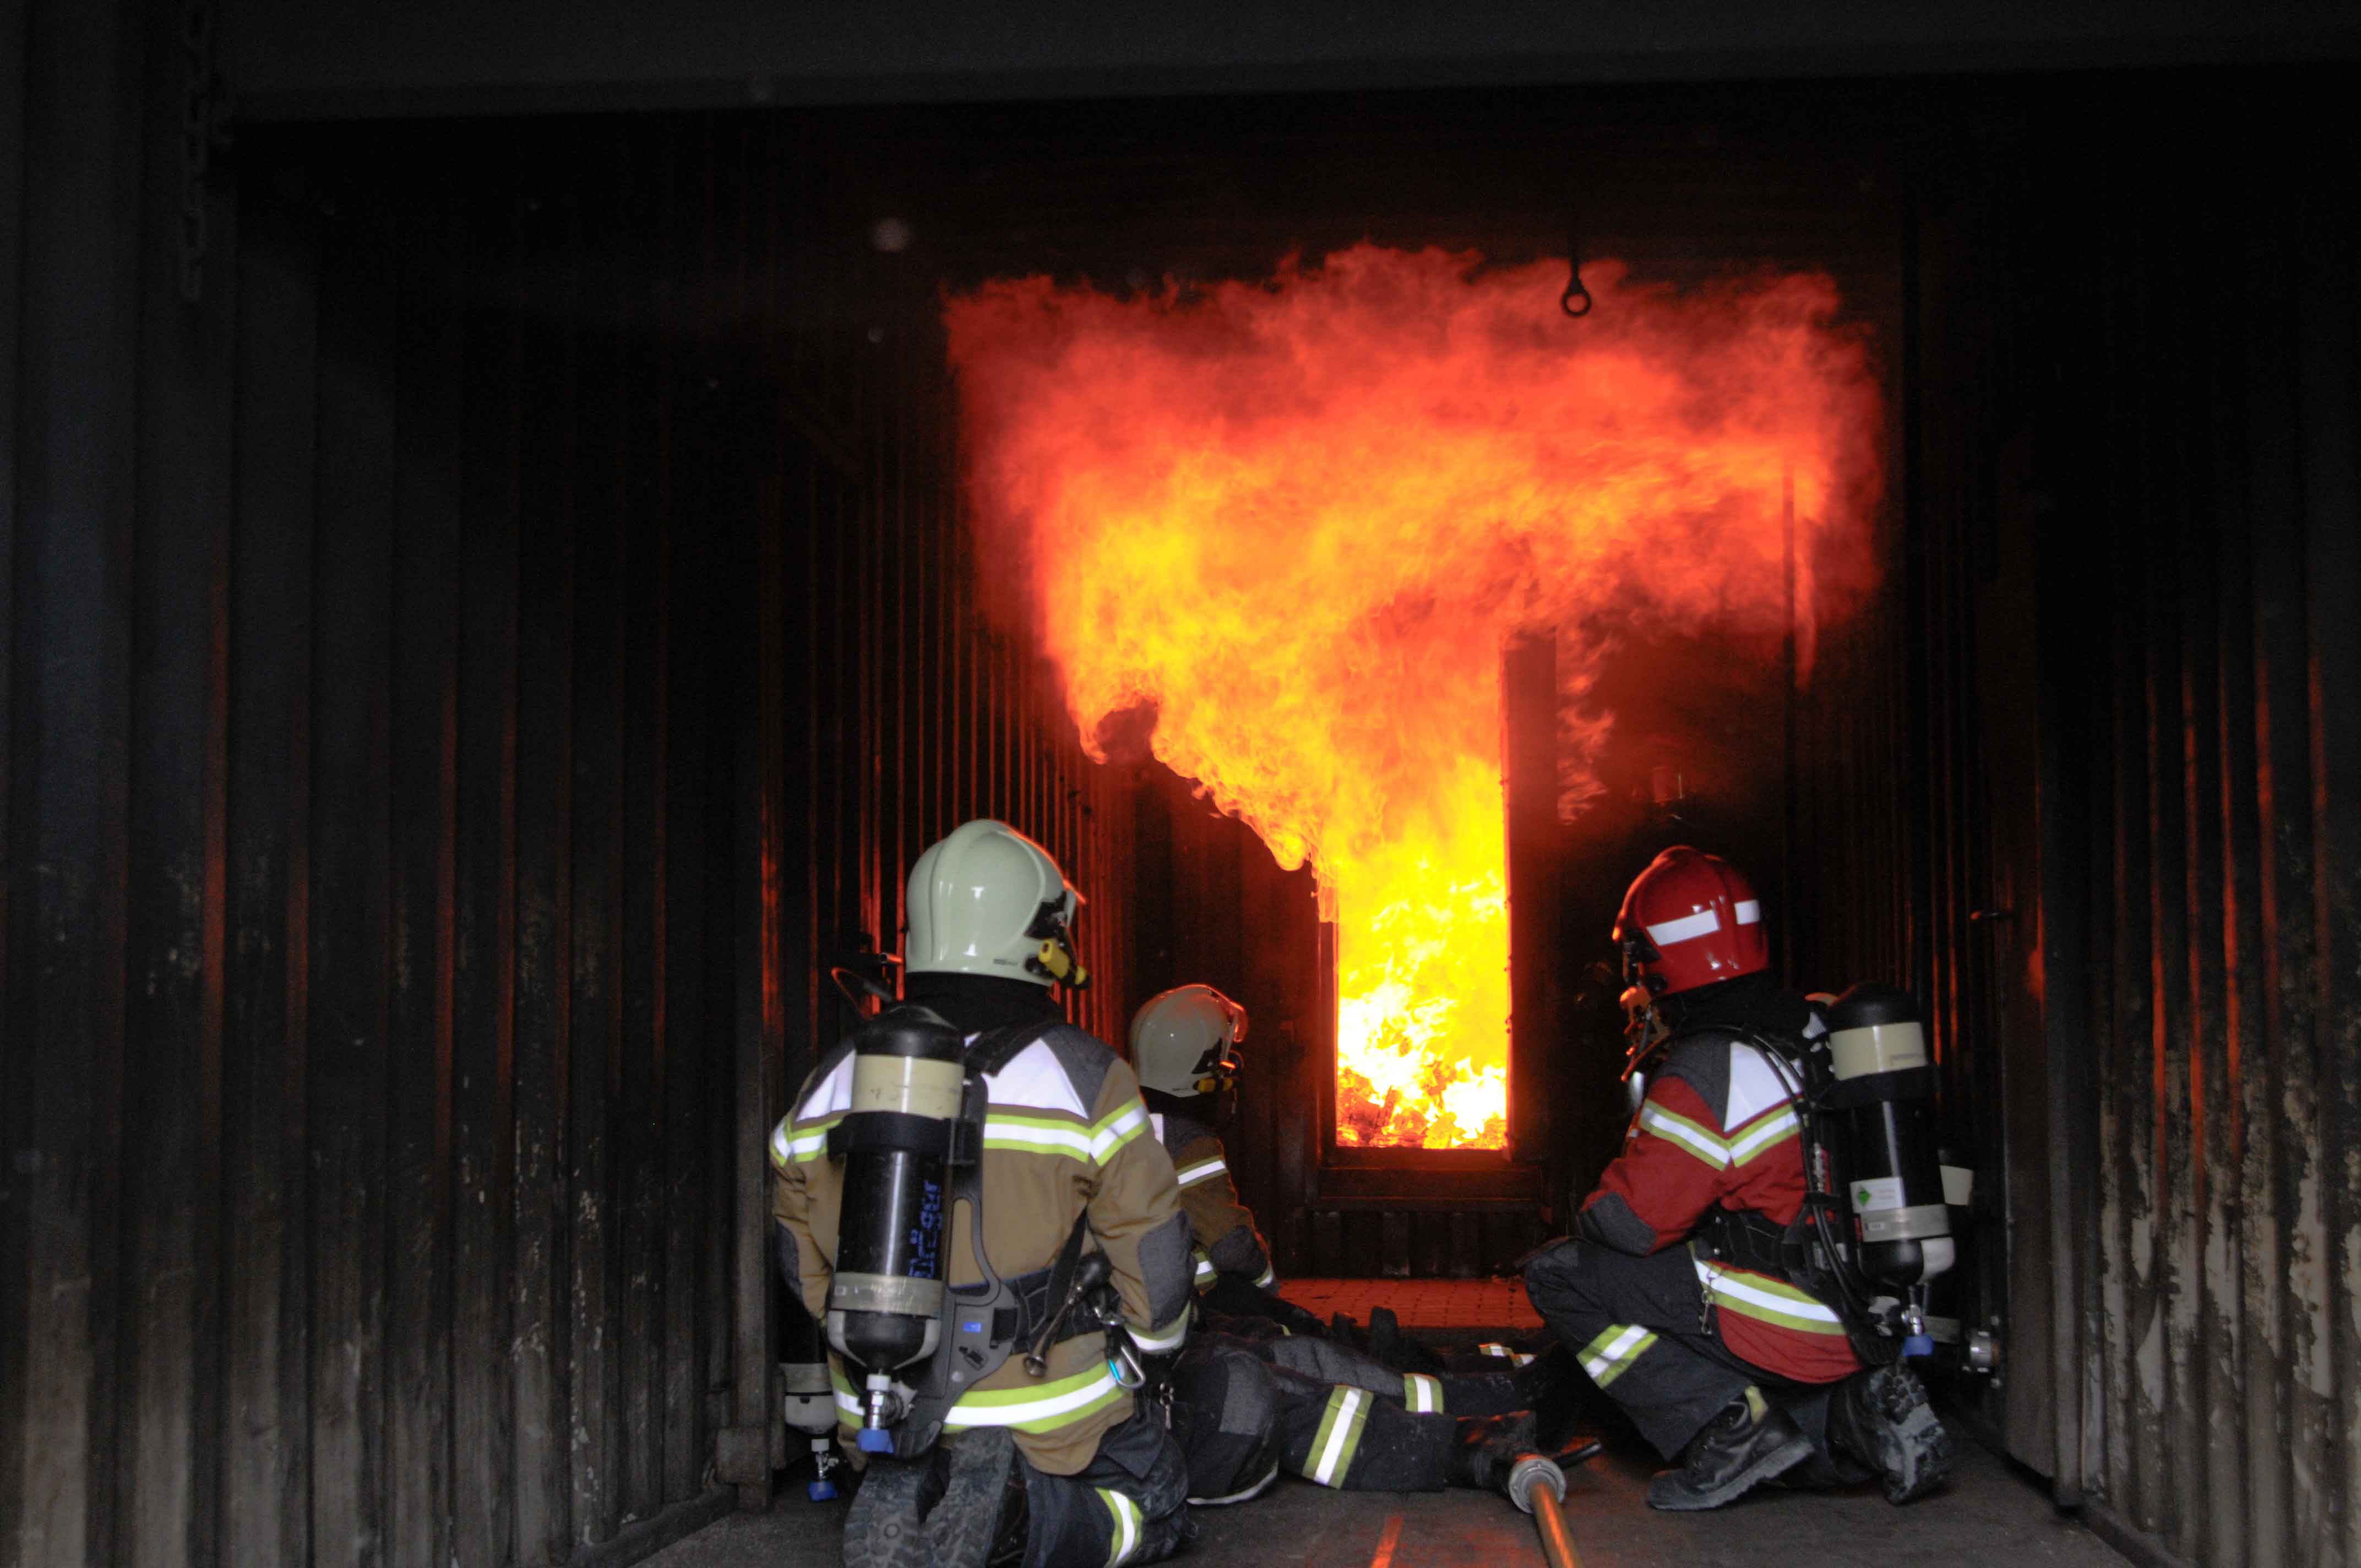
x=1300 y=519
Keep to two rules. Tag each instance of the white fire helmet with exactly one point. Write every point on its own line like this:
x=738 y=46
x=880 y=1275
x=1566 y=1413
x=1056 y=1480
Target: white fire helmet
x=1181 y=1040
x=987 y=900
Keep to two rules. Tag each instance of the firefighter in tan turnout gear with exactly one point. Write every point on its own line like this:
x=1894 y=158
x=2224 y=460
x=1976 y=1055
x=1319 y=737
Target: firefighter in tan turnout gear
x=1184 y=1046
x=969 y=1195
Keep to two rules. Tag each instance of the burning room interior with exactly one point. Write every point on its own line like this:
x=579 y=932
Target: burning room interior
x=513 y=548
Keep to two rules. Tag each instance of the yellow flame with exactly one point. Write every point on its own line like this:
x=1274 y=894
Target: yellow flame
x=1301 y=519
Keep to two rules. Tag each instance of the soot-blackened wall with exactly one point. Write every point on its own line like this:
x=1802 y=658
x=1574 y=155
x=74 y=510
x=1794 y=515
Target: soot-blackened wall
x=2121 y=793
x=469 y=669
x=2189 y=488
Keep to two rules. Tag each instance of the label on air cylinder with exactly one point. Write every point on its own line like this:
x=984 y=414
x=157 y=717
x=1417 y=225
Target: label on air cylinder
x=1876 y=1192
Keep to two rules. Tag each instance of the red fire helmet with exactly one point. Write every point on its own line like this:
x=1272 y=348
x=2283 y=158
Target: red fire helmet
x=1690 y=919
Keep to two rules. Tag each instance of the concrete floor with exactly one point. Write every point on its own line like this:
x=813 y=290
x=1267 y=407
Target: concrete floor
x=1988 y=1515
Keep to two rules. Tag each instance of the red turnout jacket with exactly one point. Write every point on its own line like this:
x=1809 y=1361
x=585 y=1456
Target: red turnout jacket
x=1718 y=1129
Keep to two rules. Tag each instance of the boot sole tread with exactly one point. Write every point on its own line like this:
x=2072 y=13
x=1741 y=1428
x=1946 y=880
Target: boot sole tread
x=1914 y=1456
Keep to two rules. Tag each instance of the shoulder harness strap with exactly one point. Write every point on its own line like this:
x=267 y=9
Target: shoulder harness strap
x=1796 y=1252
x=983 y=1324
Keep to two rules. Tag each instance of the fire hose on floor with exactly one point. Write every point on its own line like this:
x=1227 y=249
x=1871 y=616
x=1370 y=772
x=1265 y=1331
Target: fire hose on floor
x=1538 y=1487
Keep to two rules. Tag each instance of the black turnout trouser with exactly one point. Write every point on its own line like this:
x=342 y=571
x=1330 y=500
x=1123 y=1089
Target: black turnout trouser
x=1640 y=1328
x=1129 y=1504
x=1244 y=1407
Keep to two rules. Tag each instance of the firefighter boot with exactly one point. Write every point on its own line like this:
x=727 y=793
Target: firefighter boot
x=1486 y=1449
x=1389 y=1345
x=1748 y=1444
x=945 y=1509
x=1881 y=1419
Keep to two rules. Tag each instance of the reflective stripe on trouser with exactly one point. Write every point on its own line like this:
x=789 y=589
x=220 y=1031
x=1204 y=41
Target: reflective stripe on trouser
x=1637 y=1325
x=1613 y=1349
x=1129 y=1504
x=1462 y=1394
x=1124 y=1540
x=1342 y=1436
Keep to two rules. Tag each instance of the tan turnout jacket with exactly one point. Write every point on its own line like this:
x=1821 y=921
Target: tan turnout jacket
x=1222 y=1227
x=1065 y=1134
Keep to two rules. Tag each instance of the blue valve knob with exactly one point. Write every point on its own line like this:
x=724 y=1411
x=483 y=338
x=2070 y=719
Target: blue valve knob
x=1918 y=1346
x=875 y=1440
x=821 y=1491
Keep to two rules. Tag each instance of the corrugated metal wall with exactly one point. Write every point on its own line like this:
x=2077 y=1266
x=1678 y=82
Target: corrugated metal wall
x=2103 y=738
x=465 y=672
x=2202 y=558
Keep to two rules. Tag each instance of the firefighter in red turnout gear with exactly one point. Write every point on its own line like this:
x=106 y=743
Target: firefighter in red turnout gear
x=1735 y=1372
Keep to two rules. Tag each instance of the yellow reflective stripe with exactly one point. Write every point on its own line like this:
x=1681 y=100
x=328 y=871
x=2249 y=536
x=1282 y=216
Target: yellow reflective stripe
x=1036 y=1134
x=805 y=1143
x=1127 y=1526
x=1611 y=1353
x=1339 y=1436
x=1206 y=1273
x=1158 y=1342
x=1421 y=1393
x=1043 y=1408
x=1268 y=1278
x=1200 y=1170
x=1036 y=1409
x=1766 y=1300
x=781 y=1156
x=1692 y=1138
x=847 y=1403
x=1019 y=1132
x=1119 y=1127
x=1766 y=1133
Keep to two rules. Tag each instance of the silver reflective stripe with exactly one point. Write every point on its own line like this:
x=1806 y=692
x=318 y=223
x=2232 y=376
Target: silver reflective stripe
x=1127 y=1526
x=1339 y=1436
x=1202 y=1170
x=907 y=1085
x=1157 y=1343
x=1257 y=1490
x=885 y=1293
x=1688 y=927
x=1905 y=1225
x=1610 y=1355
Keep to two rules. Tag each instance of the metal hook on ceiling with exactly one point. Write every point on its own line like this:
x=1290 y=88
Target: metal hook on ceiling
x=1576 y=301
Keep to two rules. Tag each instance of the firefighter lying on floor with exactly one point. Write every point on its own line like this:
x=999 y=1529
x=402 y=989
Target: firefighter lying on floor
x=1676 y=1294
x=1263 y=1385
